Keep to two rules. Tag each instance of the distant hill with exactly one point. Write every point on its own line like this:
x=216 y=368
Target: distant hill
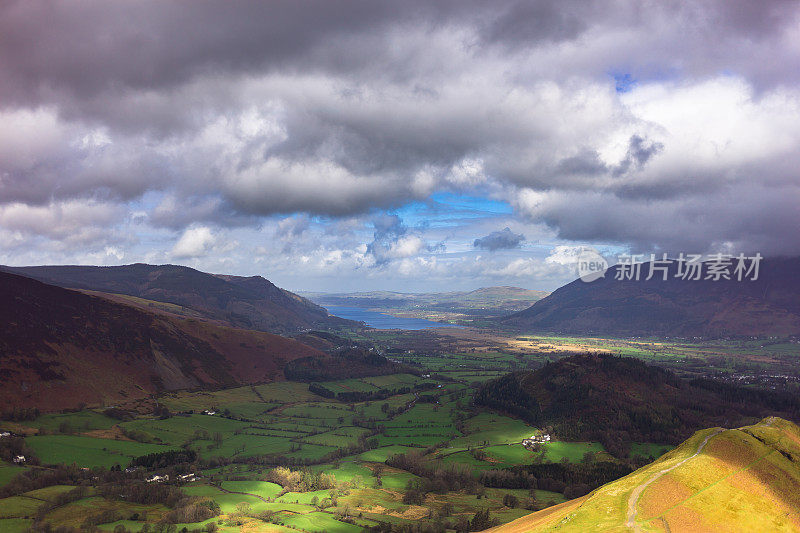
x=675 y=307
x=619 y=400
x=244 y=302
x=485 y=301
x=60 y=348
x=745 y=479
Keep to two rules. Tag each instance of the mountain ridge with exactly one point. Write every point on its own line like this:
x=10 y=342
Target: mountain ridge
x=60 y=348
x=768 y=306
x=245 y=302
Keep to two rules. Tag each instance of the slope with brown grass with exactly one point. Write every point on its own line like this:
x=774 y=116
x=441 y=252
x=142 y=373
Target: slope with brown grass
x=745 y=479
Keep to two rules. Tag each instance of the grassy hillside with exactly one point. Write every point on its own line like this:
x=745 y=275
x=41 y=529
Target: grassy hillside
x=745 y=479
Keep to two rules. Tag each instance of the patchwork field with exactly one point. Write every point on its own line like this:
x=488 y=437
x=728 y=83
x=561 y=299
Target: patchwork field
x=428 y=417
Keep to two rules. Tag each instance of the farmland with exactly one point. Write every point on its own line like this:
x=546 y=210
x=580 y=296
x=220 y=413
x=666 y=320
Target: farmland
x=416 y=451
x=254 y=428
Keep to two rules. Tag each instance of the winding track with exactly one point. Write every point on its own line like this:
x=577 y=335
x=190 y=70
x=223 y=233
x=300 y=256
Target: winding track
x=637 y=492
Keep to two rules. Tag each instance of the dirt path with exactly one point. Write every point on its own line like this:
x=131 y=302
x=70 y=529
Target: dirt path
x=637 y=492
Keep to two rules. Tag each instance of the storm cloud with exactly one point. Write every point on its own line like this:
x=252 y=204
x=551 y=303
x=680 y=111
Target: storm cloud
x=652 y=125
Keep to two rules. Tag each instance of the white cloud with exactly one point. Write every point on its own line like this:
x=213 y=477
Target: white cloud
x=195 y=242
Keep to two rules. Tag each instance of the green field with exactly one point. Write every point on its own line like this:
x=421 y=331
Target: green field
x=88 y=451
x=19 y=507
x=256 y=428
x=73 y=422
x=7 y=472
x=15 y=525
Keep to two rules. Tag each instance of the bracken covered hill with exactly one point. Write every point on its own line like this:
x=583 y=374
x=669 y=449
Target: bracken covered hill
x=769 y=305
x=60 y=348
x=244 y=302
x=731 y=480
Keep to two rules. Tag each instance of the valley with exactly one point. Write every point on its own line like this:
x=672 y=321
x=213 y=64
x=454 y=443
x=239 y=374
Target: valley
x=215 y=427
x=402 y=450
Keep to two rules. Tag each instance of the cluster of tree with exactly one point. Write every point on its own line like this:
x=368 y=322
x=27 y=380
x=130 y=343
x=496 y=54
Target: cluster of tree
x=480 y=521
x=20 y=414
x=557 y=477
x=161 y=411
x=570 y=479
x=365 y=396
x=344 y=364
x=192 y=509
x=10 y=447
x=300 y=480
x=620 y=400
x=165 y=459
x=438 y=477
x=39 y=478
x=507 y=395
x=118 y=414
x=145 y=493
x=161 y=527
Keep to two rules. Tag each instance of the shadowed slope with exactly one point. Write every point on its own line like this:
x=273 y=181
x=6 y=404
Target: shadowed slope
x=769 y=305
x=245 y=302
x=618 y=400
x=60 y=348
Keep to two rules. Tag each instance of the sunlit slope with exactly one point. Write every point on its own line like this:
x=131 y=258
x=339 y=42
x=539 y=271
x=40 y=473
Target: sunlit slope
x=745 y=479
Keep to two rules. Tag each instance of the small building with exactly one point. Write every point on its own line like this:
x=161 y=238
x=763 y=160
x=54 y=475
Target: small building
x=209 y=412
x=5 y=434
x=19 y=459
x=187 y=478
x=157 y=479
x=535 y=440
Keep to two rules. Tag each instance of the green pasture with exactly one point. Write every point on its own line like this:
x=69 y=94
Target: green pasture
x=76 y=422
x=8 y=472
x=88 y=451
x=15 y=525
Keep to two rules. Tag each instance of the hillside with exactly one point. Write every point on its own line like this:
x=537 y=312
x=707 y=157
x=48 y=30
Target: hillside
x=485 y=301
x=619 y=400
x=767 y=306
x=60 y=348
x=745 y=479
x=244 y=302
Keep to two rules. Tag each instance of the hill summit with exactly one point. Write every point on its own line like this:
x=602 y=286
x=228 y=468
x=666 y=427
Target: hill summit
x=745 y=479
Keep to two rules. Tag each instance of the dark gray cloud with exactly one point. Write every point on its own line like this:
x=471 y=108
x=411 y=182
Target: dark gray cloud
x=504 y=239
x=228 y=113
x=639 y=152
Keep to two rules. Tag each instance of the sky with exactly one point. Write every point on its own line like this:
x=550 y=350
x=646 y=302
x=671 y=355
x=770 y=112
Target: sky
x=416 y=146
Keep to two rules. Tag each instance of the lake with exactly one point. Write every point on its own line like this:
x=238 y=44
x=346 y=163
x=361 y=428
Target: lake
x=383 y=321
